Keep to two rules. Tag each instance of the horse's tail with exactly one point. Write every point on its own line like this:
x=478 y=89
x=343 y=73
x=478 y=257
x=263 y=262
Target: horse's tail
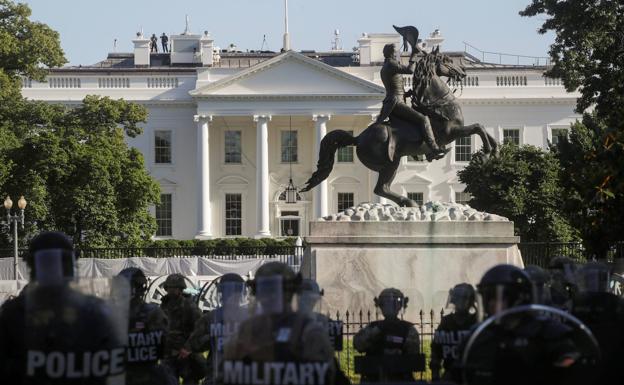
x=329 y=144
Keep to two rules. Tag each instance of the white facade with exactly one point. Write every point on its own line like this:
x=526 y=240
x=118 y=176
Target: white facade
x=256 y=102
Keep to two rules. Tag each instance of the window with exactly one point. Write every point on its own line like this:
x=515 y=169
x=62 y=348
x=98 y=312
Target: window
x=289 y=223
x=558 y=134
x=162 y=147
x=416 y=197
x=462 y=197
x=232 y=147
x=345 y=200
x=463 y=147
x=282 y=196
x=345 y=154
x=511 y=135
x=233 y=214
x=289 y=146
x=163 y=216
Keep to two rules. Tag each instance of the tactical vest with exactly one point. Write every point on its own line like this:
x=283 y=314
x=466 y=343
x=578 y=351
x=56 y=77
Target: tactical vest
x=70 y=340
x=145 y=341
x=281 y=361
x=393 y=336
x=450 y=335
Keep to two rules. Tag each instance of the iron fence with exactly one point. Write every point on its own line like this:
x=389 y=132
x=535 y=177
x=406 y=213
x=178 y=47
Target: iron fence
x=540 y=253
x=426 y=323
x=533 y=253
x=213 y=252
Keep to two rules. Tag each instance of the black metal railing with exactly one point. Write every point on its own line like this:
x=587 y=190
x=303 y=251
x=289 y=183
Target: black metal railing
x=540 y=253
x=213 y=252
x=533 y=253
x=426 y=322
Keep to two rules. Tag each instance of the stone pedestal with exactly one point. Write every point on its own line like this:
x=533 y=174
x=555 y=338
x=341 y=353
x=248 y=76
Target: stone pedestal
x=421 y=251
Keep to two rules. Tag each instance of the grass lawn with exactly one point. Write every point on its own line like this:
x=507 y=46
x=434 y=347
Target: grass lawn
x=346 y=359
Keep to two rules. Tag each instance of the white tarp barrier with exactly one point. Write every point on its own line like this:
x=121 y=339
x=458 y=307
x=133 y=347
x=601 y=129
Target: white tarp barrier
x=198 y=269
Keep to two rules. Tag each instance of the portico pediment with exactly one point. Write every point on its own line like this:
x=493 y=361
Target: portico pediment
x=290 y=75
x=417 y=180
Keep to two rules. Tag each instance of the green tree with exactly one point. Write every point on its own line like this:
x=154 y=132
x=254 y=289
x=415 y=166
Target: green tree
x=521 y=184
x=588 y=55
x=72 y=163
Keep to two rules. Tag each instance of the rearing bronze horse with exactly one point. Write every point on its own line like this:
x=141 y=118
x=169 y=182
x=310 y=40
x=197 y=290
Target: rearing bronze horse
x=381 y=146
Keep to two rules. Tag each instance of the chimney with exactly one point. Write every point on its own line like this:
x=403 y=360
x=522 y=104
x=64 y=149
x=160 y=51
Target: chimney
x=371 y=47
x=141 y=50
x=207 y=45
x=435 y=39
x=365 y=50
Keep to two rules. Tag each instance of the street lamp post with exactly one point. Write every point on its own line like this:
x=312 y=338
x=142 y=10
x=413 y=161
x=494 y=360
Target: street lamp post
x=14 y=219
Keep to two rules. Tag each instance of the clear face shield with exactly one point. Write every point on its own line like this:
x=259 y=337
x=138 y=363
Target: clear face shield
x=224 y=322
x=562 y=284
x=76 y=331
x=391 y=305
x=277 y=343
x=493 y=299
x=53 y=266
x=512 y=332
x=542 y=293
x=270 y=297
x=309 y=302
x=461 y=299
x=593 y=279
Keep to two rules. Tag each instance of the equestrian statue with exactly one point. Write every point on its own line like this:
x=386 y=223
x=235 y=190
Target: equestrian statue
x=433 y=120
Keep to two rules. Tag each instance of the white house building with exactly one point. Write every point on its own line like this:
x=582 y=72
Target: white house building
x=227 y=130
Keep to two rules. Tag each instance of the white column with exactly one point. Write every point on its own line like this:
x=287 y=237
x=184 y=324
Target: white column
x=203 y=177
x=320 y=192
x=262 y=175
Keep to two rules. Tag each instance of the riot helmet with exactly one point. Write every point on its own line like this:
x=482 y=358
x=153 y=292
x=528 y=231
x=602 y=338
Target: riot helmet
x=274 y=286
x=502 y=287
x=462 y=297
x=137 y=279
x=593 y=277
x=174 y=285
x=231 y=288
x=309 y=295
x=51 y=257
x=562 y=280
x=391 y=301
x=540 y=279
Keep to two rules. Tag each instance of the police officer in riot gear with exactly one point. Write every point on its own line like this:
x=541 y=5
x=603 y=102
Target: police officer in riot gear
x=390 y=337
x=541 y=281
x=278 y=344
x=214 y=328
x=147 y=328
x=182 y=313
x=603 y=313
x=308 y=298
x=451 y=333
x=523 y=348
x=562 y=282
x=54 y=334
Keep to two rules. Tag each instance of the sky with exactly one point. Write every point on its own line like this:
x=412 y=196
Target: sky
x=88 y=27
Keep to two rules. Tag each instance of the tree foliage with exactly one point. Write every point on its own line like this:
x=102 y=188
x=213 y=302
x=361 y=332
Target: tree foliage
x=70 y=162
x=588 y=55
x=590 y=206
x=521 y=184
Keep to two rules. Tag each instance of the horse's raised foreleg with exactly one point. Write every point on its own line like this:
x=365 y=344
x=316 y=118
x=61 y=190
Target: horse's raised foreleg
x=386 y=176
x=489 y=143
x=493 y=144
